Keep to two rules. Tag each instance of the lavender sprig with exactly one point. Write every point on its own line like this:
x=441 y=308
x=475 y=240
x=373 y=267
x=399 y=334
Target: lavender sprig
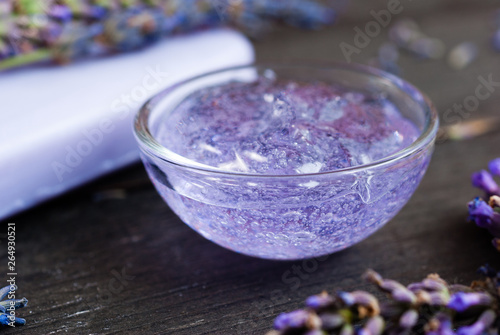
x=430 y=306
x=7 y=306
x=63 y=30
x=487 y=214
x=484 y=180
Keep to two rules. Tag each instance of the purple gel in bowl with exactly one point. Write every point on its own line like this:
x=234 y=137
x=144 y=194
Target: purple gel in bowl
x=285 y=169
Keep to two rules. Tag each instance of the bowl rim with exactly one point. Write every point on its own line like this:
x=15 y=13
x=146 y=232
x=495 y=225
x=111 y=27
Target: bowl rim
x=151 y=146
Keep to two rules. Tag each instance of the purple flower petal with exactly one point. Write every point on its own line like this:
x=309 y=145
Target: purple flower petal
x=347 y=298
x=484 y=216
x=444 y=326
x=295 y=319
x=319 y=301
x=404 y=295
x=461 y=301
x=494 y=167
x=408 y=319
x=439 y=298
x=374 y=326
x=433 y=284
x=484 y=180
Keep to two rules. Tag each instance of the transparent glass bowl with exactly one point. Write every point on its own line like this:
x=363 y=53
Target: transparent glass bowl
x=282 y=217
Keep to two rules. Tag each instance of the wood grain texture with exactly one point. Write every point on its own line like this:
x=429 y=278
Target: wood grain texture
x=71 y=251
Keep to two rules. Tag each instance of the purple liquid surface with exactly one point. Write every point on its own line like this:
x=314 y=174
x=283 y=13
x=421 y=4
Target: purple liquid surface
x=284 y=128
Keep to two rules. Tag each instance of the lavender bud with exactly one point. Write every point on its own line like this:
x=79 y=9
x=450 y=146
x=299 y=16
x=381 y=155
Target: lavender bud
x=439 y=298
x=494 y=167
x=319 y=301
x=4 y=291
x=19 y=321
x=17 y=303
x=404 y=295
x=434 y=284
x=347 y=298
x=415 y=287
x=460 y=301
x=439 y=325
x=4 y=320
x=484 y=216
x=372 y=277
x=462 y=55
x=480 y=326
x=391 y=285
x=295 y=319
x=423 y=297
x=480 y=212
x=368 y=301
x=368 y=304
x=484 y=181
x=331 y=321
x=409 y=319
x=374 y=326
x=398 y=291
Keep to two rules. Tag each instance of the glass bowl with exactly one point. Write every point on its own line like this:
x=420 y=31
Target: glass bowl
x=289 y=217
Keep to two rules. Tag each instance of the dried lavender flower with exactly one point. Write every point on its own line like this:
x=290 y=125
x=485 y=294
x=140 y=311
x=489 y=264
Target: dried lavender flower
x=4 y=291
x=374 y=326
x=330 y=321
x=494 y=167
x=440 y=325
x=361 y=313
x=319 y=301
x=485 y=216
x=484 y=180
x=460 y=301
x=299 y=319
x=441 y=309
x=409 y=319
x=7 y=305
x=399 y=292
x=367 y=303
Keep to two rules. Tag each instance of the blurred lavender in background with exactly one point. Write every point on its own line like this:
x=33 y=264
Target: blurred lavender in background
x=33 y=31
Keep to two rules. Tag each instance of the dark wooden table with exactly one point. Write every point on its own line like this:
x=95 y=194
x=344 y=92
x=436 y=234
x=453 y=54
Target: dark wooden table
x=128 y=265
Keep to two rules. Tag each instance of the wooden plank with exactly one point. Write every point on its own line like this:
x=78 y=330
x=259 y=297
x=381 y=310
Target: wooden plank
x=172 y=281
